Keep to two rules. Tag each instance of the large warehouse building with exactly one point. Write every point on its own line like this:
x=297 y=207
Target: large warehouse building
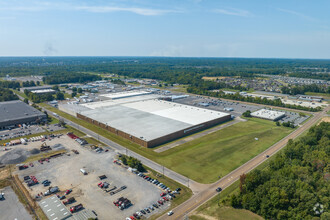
x=152 y=122
x=145 y=119
x=14 y=113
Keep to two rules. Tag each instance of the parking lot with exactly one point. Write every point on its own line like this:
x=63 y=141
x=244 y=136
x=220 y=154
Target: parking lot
x=10 y=206
x=235 y=108
x=64 y=172
x=20 y=132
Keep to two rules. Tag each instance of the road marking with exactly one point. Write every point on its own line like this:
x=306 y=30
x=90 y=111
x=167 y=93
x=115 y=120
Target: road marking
x=65 y=213
x=46 y=205
x=62 y=209
x=58 y=205
x=49 y=210
x=52 y=214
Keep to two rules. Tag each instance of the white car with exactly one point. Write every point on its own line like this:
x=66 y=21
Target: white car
x=170 y=213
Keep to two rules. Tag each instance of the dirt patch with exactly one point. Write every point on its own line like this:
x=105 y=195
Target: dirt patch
x=207 y=217
x=325 y=119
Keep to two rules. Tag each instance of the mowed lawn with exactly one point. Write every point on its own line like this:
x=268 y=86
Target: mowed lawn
x=216 y=154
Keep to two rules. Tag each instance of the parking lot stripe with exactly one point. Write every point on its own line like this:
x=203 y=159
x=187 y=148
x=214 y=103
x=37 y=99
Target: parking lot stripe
x=58 y=205
x=49 y=210
x=52 y=214
x=55 y=218
x=62 y=209
x=46 y=205
x=65 y=213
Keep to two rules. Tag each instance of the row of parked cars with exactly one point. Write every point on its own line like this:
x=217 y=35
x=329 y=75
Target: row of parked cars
x=154 y=181
x=164 y=197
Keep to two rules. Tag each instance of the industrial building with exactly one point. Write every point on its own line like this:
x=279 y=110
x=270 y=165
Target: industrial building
x=39 y=89
x=268 y=114
x=146 y=120
x=14 y=113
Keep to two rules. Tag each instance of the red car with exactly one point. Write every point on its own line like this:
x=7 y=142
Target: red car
x=160 y=202
x=166 y=199
x=68 y=192
x=131 y=217
x=163 y=194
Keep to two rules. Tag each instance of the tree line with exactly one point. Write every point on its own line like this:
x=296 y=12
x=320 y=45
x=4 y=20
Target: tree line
x=294 y=90
x=296 y=182
x=70 y=77
x=7 y=95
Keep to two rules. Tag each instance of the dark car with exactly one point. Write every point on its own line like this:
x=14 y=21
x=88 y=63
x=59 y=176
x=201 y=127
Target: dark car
x=219 y=189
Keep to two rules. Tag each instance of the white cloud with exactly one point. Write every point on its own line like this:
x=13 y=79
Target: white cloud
x=301 y=15
x=136 y=10
x=234 y=12
x=44 y=6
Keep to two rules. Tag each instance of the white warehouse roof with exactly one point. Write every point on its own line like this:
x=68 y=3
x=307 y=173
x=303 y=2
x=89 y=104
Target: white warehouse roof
x=150 y=119
x=268 y=114
x=120 y=95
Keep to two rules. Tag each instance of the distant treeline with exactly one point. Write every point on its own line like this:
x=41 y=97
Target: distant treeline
x=172 y=70
x=295 y=185
x=7 y=95
x=70 y=77
x=294 y=90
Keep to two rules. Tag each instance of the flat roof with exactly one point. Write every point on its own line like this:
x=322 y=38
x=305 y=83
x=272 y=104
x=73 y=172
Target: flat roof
x=43 y=91
x=14 y=110
x=268 y=114
x=120 y=95
x=54 y=208
x=151 y=119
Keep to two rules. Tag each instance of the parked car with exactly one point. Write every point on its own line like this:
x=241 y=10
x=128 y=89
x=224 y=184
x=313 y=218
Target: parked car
x=219 y=189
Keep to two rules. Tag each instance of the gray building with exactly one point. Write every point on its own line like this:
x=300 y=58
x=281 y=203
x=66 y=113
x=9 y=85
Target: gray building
x=13 y=113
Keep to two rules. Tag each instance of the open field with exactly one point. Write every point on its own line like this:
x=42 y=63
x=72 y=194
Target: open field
x=216 y=154
x=213 y=155
x=214 y=77
x=324 y=95
x=228 y=213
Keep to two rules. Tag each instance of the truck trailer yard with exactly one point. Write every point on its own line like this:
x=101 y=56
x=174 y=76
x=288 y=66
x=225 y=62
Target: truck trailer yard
x=65 y=173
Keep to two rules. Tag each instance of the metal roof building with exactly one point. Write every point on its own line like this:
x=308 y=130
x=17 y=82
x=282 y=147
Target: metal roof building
x=268 y=114
x=151 y=122
x=13 y=113
x=54 y=209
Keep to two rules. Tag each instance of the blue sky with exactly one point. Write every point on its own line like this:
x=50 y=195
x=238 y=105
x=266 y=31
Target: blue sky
x=189 y=28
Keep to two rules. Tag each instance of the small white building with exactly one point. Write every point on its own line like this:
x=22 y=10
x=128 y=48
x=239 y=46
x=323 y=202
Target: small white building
x=268 y=114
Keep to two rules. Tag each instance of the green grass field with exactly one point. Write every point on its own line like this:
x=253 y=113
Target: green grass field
x=206 y=158
x=216 y=154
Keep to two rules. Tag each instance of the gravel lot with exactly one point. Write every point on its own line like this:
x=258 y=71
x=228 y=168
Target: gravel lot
x=64 y=172
x=11 y=208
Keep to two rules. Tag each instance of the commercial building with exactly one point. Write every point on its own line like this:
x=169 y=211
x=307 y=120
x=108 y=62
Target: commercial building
x=54 y=208
x=151 y=122
x=268 y=114
x=14 y=113
x=39 y=89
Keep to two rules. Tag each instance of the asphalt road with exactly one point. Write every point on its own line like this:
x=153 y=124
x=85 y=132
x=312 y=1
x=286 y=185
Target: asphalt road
x=200 y=198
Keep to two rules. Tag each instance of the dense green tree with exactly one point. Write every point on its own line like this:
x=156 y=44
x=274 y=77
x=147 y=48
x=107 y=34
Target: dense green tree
x=294 y=182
